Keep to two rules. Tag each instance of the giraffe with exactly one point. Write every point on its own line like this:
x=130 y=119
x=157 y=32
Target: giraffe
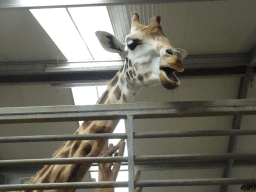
x=149 y=59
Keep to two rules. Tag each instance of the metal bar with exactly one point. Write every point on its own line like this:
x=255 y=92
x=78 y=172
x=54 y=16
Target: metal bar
x=188 y=165
x=111 y=184
x=81 y=72
x=193 y=182
x=192 y=158
x=17 y=4
x=202 y=133
x=51 y=161
x=40 y=138
x=70 y=185
x=137 y=159
x=242 y=94
x=129 y=130
x=138 y=111
x=190 y=62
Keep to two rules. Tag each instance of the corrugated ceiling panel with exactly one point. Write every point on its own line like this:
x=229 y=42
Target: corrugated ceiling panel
x=198 y=27
x=23 y=39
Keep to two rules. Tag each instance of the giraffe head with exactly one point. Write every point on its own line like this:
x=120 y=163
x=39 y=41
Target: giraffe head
x=150 y=58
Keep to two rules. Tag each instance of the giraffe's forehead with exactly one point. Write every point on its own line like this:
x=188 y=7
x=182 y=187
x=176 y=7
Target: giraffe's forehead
x=147 y=37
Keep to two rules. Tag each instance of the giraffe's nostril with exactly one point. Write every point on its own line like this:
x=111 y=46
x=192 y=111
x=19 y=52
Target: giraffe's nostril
x=169 y=51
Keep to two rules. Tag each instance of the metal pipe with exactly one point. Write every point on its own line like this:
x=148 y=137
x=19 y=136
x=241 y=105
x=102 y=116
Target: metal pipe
x=138 y=111
x=50 y=161
x=146 y=183
x=203 y=133
x=193 y=182
x=137 y=159
x=40 y=138
x=70 y=185
x=129 y=130
x=192 y=158
x=16 y=4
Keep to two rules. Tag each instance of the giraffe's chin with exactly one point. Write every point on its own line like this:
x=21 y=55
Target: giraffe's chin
x=168 y=78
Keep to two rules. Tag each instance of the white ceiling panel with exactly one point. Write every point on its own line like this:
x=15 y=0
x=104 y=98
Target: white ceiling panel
x=23 y=39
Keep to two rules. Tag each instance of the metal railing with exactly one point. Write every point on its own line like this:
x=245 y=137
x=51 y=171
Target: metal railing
x=130 y=112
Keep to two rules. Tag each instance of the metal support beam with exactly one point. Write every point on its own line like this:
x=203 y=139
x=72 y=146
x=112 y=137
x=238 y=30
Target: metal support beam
x=63 y=72
x=242 y=93
x=137 y=159
x=129 y=131
x=24 y=4
x=203 y=133
x=138 y=111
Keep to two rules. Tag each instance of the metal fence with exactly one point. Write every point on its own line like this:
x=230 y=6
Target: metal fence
x=129 y=112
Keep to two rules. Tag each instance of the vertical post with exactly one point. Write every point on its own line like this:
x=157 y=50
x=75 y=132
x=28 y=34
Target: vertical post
x=129 y=131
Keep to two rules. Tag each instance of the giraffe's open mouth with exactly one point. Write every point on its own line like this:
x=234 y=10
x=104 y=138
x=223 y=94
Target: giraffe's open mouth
x=169 y=78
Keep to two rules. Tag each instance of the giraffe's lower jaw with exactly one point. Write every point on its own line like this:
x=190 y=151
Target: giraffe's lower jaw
x=168 y=78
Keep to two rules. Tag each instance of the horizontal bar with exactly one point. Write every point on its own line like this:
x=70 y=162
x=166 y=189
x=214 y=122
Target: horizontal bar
x=203 y=133
x=78 y=72
x=193 y=157
x=188 y=165
x=40 y=138
x=194 y=182
x=145 y=183
x=138 y=111
x=51 y=161
x=137 y=159
x=70 y=185
x=190 y=62
x=24 y=4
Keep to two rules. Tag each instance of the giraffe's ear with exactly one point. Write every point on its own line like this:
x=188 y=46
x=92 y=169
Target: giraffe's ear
x=109 y=42
x=182 y=52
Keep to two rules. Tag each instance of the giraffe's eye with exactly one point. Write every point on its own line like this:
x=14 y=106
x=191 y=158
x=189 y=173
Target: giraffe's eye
x=132 y=44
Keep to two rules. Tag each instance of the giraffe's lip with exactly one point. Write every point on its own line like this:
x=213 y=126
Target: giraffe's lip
x=168 y=77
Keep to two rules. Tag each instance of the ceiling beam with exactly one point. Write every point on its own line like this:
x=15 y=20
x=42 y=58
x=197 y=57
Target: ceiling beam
x=24 y=4
x=63 y=72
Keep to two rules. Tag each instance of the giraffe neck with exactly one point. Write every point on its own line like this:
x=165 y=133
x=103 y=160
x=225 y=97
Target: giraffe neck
x=120 y=90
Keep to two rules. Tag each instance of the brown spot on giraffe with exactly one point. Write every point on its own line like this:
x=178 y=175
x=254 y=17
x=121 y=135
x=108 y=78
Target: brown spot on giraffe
x=46 y=178
x=134 y=73
x=114 y=81
x=117 y=92
x=140 y=77
x=124 y=97
x=86 y=150
x=65 y=154
x=97 y=129
x=61 y=172
x=75 y=147
x=128 y=77
x=130 y=73
x=104 y=97
x=74 y=171
x=130 y=63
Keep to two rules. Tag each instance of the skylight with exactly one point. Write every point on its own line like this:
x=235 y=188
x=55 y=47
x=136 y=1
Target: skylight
x=73 y=32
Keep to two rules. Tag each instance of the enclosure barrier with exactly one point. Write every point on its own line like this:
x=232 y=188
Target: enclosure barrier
x=130 y=112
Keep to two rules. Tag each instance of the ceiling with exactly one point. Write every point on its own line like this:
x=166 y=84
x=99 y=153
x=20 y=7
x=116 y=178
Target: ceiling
x=216 y=34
